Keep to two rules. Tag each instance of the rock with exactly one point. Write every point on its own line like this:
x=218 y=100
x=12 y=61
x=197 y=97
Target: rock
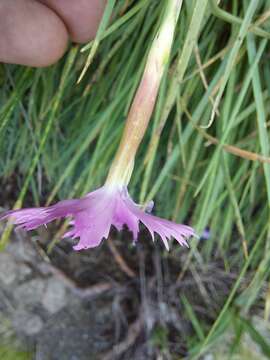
x=24 y=272
x=8 y=269
x=74 y=334
x=45 y=315
x=30 y=292
x=55 y=296
x=22 y=249
x=27 y=323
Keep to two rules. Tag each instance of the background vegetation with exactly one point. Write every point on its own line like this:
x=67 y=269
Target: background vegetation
x=205 y=159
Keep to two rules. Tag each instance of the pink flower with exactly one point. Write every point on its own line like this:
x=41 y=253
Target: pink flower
x=110 y=205
x=94 y=214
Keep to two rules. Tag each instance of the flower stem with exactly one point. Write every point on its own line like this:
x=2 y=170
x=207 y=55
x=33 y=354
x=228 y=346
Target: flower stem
x=145 y=97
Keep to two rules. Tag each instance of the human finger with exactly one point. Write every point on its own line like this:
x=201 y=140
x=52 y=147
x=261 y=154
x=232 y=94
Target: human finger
x=81 y=17
x=30 y=33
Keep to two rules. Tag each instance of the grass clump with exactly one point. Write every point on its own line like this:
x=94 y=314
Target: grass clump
x=205 y=158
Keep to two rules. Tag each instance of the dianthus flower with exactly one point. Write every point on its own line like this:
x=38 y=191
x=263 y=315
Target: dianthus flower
x=93 y=215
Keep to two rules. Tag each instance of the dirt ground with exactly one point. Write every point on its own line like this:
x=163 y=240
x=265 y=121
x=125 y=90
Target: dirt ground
x=118 y=301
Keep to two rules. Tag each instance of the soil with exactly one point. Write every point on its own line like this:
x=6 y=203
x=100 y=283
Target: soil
x=118 y=301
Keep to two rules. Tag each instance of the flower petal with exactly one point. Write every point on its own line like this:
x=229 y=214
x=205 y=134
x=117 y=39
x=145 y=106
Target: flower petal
x=164 y=228
x=123 y=216
x=32 y=218
x=93 y=215
x=93 y=226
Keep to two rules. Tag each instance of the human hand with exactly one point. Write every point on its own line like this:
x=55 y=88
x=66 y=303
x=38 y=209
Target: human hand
x=36 y=32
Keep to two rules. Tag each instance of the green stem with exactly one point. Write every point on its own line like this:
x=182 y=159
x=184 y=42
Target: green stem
x=232 y=19
x=145 y=98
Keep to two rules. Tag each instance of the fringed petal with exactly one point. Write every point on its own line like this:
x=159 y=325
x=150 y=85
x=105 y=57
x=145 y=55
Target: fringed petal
x=93 y=215
x=164 y=228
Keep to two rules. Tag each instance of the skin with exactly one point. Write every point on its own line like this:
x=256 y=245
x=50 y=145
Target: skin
x=36 y=32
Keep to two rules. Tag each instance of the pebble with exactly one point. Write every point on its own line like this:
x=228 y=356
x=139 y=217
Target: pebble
x=8 y=269
x=27 y=323
x=30 y=292
x=55 y=296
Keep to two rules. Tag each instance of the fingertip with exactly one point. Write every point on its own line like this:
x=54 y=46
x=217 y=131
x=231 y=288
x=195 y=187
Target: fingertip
x=31 y=34
x=82 y=17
